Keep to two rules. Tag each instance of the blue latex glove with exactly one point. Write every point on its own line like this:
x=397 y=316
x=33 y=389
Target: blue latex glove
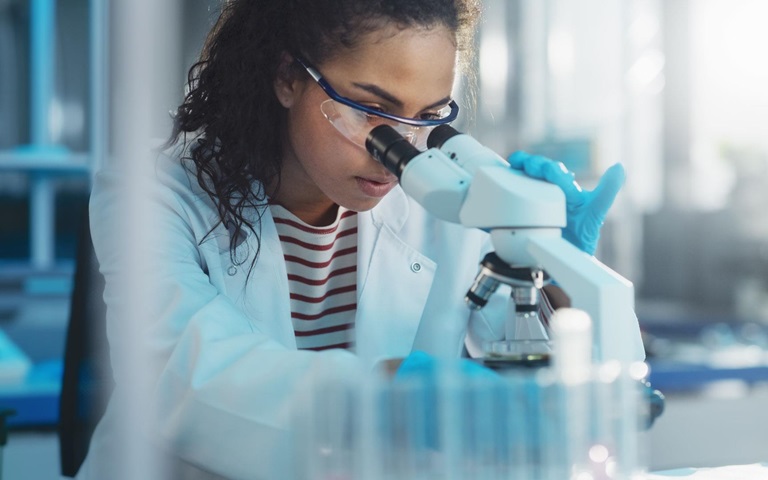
x=422 y=365
x=586 y=210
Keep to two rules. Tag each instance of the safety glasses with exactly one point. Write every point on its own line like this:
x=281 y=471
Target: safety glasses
x=355 y=121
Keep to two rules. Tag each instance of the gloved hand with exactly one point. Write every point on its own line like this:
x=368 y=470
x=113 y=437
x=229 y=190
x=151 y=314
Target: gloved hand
x=586 y=210
x=424 y=366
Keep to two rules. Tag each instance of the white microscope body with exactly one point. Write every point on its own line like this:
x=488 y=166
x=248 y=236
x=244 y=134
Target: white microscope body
x=462 y=181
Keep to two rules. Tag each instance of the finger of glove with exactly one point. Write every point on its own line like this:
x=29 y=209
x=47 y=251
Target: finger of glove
x=544 y=168
x=518 y=159
x=416 y=363
x=585 y=238
x=604 y=194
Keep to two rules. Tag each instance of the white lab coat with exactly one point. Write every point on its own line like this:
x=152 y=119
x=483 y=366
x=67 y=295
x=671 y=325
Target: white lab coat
x=226 y=371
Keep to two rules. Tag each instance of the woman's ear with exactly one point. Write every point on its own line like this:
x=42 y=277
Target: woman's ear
x=285 y=81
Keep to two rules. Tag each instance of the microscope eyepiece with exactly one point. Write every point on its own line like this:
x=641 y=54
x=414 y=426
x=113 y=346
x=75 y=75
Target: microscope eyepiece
x=390 y=148
x=440 y=135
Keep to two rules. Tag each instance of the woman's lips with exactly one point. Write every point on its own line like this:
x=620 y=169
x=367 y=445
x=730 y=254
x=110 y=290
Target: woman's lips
x=375 y=188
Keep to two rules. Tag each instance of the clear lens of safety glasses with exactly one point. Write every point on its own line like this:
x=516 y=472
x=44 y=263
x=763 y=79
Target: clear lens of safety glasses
x=355 y=124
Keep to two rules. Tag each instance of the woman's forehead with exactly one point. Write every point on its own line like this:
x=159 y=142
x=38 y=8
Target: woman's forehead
x=402 y=60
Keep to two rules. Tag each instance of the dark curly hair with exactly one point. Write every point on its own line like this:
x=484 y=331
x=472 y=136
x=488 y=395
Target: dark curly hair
x=231 y=124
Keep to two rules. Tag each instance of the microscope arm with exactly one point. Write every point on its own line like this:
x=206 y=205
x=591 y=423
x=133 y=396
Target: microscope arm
x=596 y=289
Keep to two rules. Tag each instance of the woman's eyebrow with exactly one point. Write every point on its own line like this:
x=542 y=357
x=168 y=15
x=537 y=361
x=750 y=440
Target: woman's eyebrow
x=381 y=93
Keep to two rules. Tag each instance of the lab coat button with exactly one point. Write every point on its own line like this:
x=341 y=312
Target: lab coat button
x=231 y=271
x=416 y=267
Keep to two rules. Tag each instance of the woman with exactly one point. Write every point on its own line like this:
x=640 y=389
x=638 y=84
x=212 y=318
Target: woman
x=284 y=252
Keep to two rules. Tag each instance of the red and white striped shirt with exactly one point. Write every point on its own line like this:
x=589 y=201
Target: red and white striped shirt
x=322 y=278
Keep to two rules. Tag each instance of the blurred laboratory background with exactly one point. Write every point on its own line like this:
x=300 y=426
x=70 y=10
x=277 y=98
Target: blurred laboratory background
x=673 y=89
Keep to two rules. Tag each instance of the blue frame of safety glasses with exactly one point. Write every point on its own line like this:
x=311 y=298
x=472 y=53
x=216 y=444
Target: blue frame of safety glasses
x=351 y=103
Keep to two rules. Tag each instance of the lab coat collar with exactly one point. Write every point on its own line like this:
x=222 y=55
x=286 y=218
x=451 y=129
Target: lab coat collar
x=392 y=211
x=391 y=301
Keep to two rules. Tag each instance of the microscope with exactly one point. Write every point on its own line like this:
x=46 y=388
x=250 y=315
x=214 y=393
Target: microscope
x=578 y=417
x=459 y=180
